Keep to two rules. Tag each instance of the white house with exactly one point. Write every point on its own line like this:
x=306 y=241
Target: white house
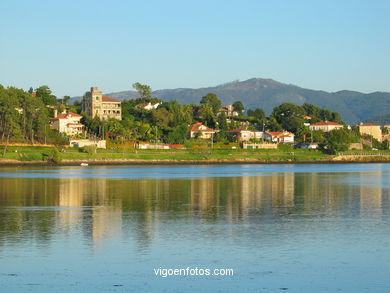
x=149 y=106
x=245 y=135
x=198 y=130
x=68 y=123
x=279 y=136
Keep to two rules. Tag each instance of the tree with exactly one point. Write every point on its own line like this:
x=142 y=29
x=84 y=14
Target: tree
x=318 y=114
x=222 y=123
x=273 y=125
x=65 y=100
x=213 y=101
x=46 y=96
x=338 y=140
x=55 y=156
x=238 y=107
x=178 y=135
x=206 y=115
x=289 y=116
x=144 y=91
x=162 y=118
x=259 y=116
x=9 y=117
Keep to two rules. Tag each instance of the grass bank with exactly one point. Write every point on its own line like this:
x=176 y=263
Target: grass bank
x=39 y=155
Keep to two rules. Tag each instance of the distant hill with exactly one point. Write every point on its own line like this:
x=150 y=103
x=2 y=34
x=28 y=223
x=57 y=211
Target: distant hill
x=267 y=93
x=380 y=119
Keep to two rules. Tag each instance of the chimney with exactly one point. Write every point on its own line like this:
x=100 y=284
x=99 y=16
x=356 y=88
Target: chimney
x=55 y=113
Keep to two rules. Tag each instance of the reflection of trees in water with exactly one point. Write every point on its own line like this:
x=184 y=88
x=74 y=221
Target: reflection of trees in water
x=37 y=208
x=24 y=217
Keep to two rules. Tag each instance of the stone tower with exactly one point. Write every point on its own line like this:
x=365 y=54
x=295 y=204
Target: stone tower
x=96 y=104
x=92 y=102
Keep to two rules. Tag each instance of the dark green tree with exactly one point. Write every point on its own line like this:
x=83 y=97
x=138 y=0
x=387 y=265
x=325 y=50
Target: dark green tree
x=238 y=106
x=213 y=101
x=289 y=116
x=339 y=140
x=46 y=95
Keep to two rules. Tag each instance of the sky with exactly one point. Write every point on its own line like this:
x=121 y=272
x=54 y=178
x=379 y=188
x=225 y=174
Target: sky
x=73 y=45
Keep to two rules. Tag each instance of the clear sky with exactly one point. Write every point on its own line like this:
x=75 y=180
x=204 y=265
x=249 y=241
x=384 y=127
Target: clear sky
x=73 y=45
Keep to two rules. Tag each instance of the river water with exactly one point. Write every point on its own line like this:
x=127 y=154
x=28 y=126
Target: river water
x=279 y=228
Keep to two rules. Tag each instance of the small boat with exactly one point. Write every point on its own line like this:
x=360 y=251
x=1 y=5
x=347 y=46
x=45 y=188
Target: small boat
x=83 y=164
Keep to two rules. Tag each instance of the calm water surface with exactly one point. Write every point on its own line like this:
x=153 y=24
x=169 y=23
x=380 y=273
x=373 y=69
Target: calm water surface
x=282 y=228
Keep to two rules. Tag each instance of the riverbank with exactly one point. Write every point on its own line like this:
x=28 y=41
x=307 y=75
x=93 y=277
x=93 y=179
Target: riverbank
x=39 y=155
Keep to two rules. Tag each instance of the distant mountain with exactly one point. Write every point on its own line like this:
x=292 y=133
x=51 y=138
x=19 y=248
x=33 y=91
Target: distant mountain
x=380 y=119
x=267 y=93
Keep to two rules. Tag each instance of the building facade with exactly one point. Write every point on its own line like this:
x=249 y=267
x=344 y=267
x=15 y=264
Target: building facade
x=371 y=129
x=279 y=136
x=68 y=123
x=245 y=135
x=198 y=130
x=96 y=104
x=228 y=110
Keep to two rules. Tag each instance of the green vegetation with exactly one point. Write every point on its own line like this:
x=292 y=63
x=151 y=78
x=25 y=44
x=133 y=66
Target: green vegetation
x=24 y=118
x=197 y=154
x=54 y=156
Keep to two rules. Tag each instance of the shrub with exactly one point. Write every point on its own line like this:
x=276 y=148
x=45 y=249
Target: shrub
x=54 y=156
x=285 y=147
x=90 y=149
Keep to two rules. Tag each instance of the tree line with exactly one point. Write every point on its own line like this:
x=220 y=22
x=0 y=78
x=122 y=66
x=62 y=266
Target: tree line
x=24 y=117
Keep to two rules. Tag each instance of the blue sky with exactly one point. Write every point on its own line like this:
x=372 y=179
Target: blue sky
x=72 y=45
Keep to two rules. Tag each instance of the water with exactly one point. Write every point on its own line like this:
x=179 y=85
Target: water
x=281 y=228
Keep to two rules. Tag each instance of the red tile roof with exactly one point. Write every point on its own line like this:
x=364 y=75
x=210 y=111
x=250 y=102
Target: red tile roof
x=368 y=124
x=108 y=99
x=66 y=115
x=274 y=133
x=324 y=123
x=240 y=130
x=279 y=133
x=196 y=127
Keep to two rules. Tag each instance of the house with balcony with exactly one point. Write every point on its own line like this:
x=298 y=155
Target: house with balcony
x=67 y=122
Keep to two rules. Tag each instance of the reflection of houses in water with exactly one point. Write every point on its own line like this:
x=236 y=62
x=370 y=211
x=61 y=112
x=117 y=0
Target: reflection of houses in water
x=371 y=194
x=239 y=195
x=86 y=202
x=204 y=193
x=102 y=208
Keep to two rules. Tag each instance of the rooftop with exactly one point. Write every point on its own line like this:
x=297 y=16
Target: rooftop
x=368 y=124
x=108 y=99
x=199 y=127
x=324 y=123
x=67 y=115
